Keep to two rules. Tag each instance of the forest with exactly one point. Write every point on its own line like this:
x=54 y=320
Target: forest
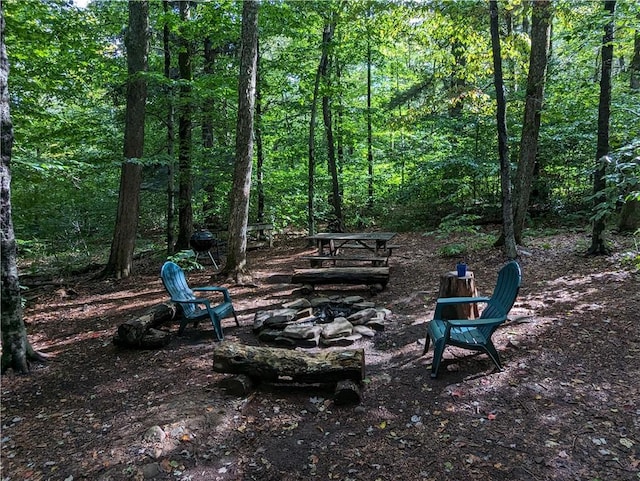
x=410 y=106
x=481 y=131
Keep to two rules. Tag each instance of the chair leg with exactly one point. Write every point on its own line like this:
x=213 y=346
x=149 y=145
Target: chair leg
x=236 y=318
x=438 y=352
x=427 y=343
x=493 y=354
x=183 y=325
x=217 y=326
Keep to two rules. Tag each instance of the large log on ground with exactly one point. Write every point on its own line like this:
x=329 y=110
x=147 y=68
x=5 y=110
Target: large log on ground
x=272 y=364
x=342 y=275
x=141 y=333
x=453 y=286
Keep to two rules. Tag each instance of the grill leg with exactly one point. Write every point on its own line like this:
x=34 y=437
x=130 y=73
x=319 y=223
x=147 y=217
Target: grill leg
x=215 y=265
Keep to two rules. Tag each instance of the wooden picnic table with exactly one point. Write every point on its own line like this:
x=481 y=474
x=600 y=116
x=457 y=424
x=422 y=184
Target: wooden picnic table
x=332 y=247
x=373 y=243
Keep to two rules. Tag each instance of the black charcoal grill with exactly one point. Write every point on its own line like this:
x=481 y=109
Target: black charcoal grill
x=201 y=242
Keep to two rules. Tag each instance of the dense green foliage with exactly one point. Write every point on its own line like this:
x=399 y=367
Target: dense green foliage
x=433 y=115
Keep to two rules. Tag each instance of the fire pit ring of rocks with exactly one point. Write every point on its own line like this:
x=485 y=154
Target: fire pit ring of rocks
x=320 y=322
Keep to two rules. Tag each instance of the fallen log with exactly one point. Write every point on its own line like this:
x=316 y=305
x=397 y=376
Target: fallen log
x=347 y=392
x=141 y=332
x=272 y=364
x=376 y=278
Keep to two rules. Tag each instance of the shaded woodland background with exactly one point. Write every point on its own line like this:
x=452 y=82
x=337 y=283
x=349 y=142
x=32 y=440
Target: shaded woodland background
x=412 y=107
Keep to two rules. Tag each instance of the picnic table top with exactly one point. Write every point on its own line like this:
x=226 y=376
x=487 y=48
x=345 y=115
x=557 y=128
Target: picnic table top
x=361 y=236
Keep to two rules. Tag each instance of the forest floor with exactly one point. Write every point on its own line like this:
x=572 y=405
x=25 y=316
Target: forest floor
x=565 y=407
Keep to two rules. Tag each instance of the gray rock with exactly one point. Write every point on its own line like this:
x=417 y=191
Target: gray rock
x=364 y=305
x=340 y=341
x=155 y=434
x=338 y=328
x=364 y=330
x=318 y=301
x=301 y=332
x=362 y=316
x=353 y=300
x=300 y=303
x=151 y=470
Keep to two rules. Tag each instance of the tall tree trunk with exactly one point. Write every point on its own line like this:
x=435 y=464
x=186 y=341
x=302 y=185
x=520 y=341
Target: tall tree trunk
x=540 y=36
x=170 y=133
x=124 y=237
x=209 y=54
x=598 y=241
x=339 y=121
x=16 y=349
x=458 y=82
x=503 y=139
x=634 y=80
x=185 y=175
x=369 y=130
x=210 y=182
x=324 y=59
x=337 y=223
x=259 y=149
x=629 y=216
x=236 y=266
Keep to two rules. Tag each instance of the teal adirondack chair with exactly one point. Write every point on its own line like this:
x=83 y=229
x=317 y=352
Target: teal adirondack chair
x=474 y=334
x=194 y=309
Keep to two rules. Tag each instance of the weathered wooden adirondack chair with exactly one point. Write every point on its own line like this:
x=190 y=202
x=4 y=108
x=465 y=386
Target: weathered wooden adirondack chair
x=474 y=334
x=194 y=309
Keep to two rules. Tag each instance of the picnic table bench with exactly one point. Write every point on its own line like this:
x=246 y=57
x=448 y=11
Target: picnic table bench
x=258 y=235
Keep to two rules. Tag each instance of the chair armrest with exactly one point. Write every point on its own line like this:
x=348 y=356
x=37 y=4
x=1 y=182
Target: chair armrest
x=197 y=300
x=223 y=290
x=474 y=322
x=461 y=300
x=209 y=288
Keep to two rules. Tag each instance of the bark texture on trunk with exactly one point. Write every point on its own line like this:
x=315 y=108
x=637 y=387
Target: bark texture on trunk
x=503 y=139
x=16 y=349
x=540 y=37
x=598 y=240
x=124 y=237
x=185 y=175
x=236 y=266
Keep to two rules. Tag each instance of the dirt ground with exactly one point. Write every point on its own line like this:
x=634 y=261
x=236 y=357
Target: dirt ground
x=566 y=406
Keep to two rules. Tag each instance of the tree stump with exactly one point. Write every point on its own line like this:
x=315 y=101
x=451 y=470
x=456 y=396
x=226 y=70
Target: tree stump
x=453 y=286
x=272 y=364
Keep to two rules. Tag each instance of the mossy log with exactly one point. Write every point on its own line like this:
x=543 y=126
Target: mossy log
x=272 y=364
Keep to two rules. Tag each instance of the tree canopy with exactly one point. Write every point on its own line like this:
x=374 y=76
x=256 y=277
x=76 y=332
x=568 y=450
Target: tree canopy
x=432 y=112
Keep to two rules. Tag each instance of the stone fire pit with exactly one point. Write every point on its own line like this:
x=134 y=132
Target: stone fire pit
x=320 y=322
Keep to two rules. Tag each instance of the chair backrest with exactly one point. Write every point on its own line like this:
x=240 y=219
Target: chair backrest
x=176 y=285
x=505 y=293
